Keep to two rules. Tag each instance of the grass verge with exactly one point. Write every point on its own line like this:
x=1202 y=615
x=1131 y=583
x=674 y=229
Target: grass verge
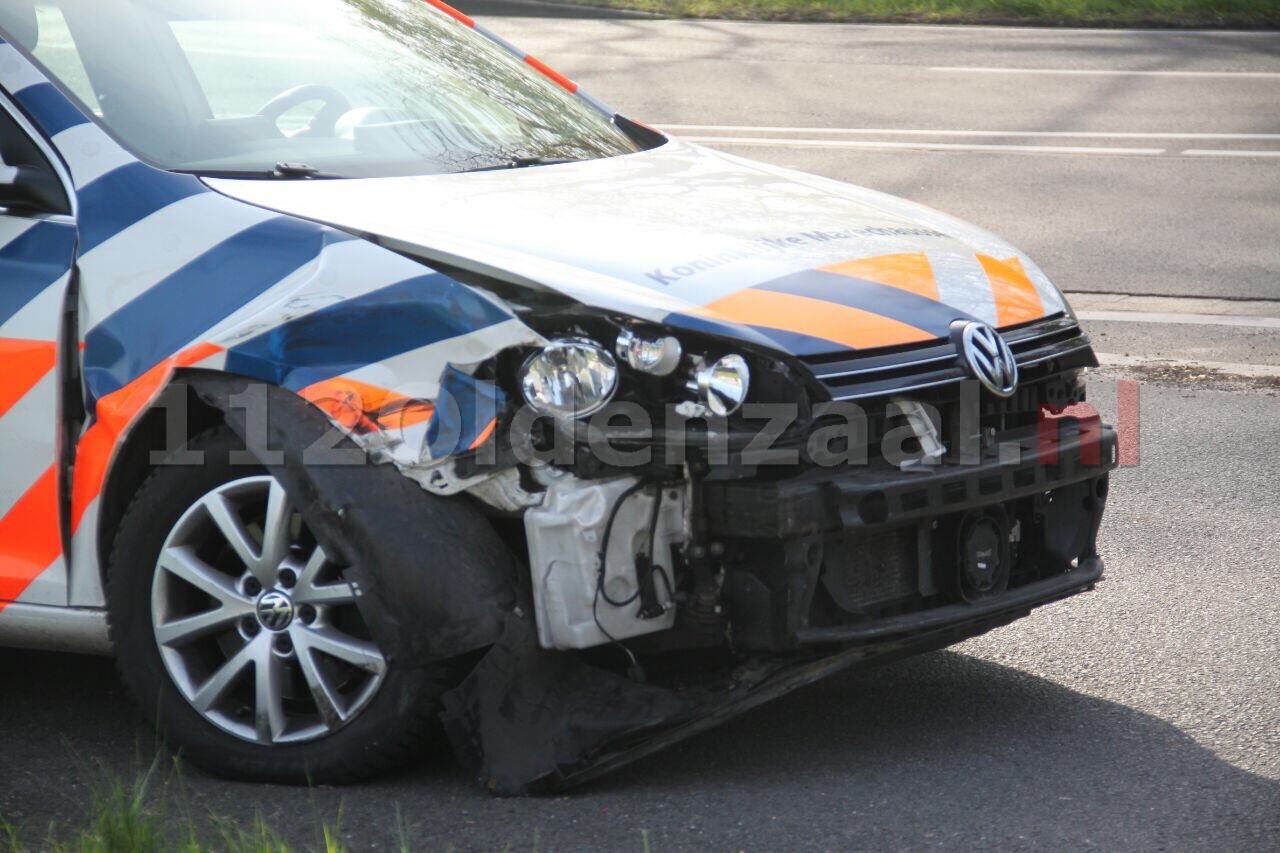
x=151 y=814
x=1248 y=14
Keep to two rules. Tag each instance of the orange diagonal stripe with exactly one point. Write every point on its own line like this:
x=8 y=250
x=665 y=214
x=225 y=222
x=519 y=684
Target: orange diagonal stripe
x=910 y=271
x=803 y=315
x=1017 y=299
x=485 y=434
x=29 y=536
x=115 y=412
x=361 y=407
x=25 y=364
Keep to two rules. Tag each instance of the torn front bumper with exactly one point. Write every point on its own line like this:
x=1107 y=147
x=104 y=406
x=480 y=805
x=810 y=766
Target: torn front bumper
x=528 y=719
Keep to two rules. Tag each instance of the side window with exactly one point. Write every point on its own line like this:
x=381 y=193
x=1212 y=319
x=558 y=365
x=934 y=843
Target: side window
x=28 y=184
x=56 y=50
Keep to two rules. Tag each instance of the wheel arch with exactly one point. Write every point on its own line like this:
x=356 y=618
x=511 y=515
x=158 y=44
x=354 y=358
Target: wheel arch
x=132 y=462
x=369 y=515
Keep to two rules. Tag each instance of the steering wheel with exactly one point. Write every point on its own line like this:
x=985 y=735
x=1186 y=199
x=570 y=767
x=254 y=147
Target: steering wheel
x=324 y=122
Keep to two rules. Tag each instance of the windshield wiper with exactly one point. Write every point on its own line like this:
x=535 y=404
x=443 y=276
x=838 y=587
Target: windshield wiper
x=299 y=170
x=524 y=163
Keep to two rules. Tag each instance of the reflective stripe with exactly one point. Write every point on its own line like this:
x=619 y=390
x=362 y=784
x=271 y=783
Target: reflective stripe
x=362 y=408
x=30 y=539
x=869 y=296
x=551 y=72
x=1017 y=300
x=485 y=434
x=11 y=229
x=452 y=12
x=796 y=343
x=135 y=258
x=166 y=316
x=852 y=327
x=28 y=431
x=16 y=73
x=89 y=153
x=124 y=197
x=25 y=363
x=31 y=262
x=326 y=281
x=909 y=271
x=114 y=414
x=49 y=109
x=48 y=587
x=349 y=335
x=41 y=316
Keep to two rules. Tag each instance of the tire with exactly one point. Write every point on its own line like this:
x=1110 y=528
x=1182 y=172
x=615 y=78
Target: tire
x=279 y=682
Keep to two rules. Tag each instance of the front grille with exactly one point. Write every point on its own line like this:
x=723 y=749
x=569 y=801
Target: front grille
x=850 y=375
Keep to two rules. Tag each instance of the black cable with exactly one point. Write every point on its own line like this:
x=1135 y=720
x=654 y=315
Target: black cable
x=604 y=550
x=666 y=581
x=600 y=573
x=653 y=520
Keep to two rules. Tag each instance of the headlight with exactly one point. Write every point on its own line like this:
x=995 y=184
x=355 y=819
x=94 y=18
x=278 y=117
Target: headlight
x=723 y=384
x=659 y=355
x=569 y=378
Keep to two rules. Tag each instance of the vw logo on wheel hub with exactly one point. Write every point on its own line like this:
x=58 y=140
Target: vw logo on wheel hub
x=275 y=611
x=989 y=358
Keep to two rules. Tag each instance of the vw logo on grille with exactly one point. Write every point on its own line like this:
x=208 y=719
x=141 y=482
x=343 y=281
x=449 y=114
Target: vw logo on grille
x=275 y=611
x=989 y=358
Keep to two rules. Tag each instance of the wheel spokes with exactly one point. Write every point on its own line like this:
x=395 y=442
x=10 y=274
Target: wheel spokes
x=308 y=591
x=223 y=515
x=181 y=562
x=268 y=694
x=224 y=676
x=275 y=528
x=179 y=632
x=328 y=702
x=359 y=653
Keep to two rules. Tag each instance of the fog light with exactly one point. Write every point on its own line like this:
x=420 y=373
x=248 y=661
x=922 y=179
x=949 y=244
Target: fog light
x=658 y=356
x=569 y=378
x=723 y=384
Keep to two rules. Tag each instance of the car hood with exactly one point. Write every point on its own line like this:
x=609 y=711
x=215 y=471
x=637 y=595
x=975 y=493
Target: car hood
x=691 y=237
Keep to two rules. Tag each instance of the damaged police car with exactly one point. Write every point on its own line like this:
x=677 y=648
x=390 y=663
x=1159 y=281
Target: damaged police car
x=360 y=374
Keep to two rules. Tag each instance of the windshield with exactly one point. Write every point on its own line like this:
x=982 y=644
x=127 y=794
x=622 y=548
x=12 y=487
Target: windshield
x=299 y=88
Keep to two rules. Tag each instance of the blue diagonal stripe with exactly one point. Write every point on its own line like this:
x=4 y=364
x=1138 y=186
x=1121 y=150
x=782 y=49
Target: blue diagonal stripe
x=790 y=342
x=363 y=330
x=125 y=196
x=49 y=108
x=193 y=299
x=32 y=262
x=920 y=311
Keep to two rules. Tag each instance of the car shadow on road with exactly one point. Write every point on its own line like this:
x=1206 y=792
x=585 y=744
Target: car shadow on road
x=942 y=748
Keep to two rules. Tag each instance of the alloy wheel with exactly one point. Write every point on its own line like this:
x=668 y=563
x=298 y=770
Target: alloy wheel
x=255 y=624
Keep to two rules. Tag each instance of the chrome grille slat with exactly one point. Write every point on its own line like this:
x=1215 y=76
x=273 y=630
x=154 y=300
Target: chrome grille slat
x=852 y=375
x=951 y=356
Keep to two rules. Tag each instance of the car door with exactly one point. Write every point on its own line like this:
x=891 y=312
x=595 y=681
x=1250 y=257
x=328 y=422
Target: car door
x=37 y=249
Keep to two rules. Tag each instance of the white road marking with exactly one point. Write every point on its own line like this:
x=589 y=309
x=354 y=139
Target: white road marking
x=1180 y=319
x=1263 y=371
x=1227 y=152
x=1086 y=72
x=918 y=146
x=993 y=134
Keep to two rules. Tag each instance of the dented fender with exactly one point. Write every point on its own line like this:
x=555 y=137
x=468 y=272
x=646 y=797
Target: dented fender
x=422 y=605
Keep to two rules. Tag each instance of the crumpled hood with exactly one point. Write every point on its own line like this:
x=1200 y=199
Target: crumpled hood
x=695 y=238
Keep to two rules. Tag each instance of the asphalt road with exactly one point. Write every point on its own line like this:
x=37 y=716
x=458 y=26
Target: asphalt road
x=1130 y=214
x=1143 y=716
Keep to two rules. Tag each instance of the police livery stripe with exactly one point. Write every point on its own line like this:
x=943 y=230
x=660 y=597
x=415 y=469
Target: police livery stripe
x=173 y=275
x=527 y=58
